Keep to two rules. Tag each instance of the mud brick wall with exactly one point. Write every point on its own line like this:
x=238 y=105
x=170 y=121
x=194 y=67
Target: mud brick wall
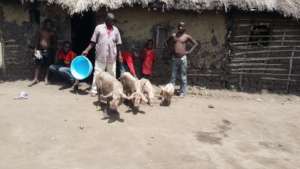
x=18 y=59
x=205 y=64
x=17 y=35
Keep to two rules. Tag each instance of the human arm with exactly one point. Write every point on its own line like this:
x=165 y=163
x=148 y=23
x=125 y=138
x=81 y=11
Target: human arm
x=194 y=42
x=119 y=45
x=89 y=47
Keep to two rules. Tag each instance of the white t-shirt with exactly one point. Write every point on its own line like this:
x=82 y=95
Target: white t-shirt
x=106 y=43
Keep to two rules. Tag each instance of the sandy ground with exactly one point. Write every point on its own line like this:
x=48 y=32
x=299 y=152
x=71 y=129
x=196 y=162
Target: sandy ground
x=56 y=129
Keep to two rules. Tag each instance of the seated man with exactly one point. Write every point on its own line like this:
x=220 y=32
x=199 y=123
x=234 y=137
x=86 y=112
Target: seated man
x=63 y=61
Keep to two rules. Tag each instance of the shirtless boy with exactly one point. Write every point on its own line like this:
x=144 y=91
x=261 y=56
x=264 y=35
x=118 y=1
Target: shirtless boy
x=46 y=45
x=179 y=60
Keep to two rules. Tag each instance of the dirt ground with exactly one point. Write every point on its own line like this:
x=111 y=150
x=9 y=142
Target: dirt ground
x=212 y=129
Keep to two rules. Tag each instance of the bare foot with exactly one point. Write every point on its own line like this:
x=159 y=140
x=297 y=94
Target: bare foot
x=46 y=82
x=93 y=94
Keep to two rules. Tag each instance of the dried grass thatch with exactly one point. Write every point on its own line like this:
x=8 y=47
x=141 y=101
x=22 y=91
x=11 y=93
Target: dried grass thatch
x=286 y=7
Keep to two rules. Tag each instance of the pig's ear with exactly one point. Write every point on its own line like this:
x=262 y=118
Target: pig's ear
x=161 y=93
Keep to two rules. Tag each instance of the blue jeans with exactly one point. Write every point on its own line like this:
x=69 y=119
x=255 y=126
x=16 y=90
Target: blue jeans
x=63 y=71
x=180 y=64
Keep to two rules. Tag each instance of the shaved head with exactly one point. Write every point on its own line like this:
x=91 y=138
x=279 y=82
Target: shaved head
x=181 y=24
x=109 y=19
x=181 y=27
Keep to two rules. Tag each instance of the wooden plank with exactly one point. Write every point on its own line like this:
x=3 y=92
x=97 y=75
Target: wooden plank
x=262 y=51
x=242 y=25
x=278 y=79
x=274 y=31
x=264 y=36
x=203 y=75
x=261 y=59
x=286 y=30
x=270 y=41
x=252 y=64
x=258 y=69
x=257 y=21
x=262 y=47
x=261 y=17
x=264 y=74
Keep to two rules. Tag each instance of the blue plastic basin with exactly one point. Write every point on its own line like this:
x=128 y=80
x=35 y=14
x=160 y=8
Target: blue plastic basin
x=81 y=67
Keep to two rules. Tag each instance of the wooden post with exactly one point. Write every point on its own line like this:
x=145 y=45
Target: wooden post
x=157 y=36
x=2 y=58
x=290 y=71
x=261 y=83
x=283 y=38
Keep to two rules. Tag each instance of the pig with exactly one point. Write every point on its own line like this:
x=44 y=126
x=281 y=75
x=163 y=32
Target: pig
x=167 y=93
x=109 y=89
x=147 y=89
x=132 y=89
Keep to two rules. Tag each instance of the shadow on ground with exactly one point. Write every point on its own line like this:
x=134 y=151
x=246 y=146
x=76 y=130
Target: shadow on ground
x=107 y=113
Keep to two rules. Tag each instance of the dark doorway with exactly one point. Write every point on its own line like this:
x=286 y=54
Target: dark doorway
x=83 y=26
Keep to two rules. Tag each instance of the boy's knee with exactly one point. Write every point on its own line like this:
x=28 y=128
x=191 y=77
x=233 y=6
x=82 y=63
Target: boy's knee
x=63 y=69
x=52 y=68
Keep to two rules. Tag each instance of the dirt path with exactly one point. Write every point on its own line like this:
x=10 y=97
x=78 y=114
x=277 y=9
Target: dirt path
x=55 y=129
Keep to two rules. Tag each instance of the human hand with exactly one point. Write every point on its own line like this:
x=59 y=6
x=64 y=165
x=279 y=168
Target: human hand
x=66 y=62
x=85 y=53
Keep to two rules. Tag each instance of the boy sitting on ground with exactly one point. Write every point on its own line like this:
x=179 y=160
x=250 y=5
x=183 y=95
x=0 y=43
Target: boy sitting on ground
x=62 y=66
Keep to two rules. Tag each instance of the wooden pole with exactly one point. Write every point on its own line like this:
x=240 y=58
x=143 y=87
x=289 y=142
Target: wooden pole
x=283 y=38
x=290 y=71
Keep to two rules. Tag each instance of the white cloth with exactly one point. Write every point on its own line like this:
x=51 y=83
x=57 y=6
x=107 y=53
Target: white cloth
x=38 y=54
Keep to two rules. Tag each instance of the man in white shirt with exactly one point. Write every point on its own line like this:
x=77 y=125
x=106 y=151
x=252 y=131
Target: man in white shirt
x=107 y=41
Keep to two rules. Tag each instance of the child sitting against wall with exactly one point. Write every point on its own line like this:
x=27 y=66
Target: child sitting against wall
x=61 y=67
x=148 y=58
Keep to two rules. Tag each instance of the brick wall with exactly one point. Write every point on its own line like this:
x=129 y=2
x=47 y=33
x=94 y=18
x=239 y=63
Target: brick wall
x=209 y=29
x=17 y=34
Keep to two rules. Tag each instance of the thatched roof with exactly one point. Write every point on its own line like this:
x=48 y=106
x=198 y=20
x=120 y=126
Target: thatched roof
x=286 y=7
